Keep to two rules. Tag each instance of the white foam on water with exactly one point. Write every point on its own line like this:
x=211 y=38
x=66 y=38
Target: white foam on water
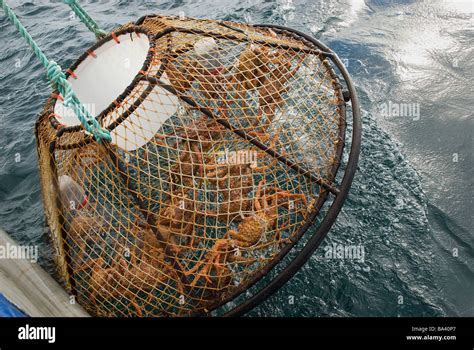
x=355 y=8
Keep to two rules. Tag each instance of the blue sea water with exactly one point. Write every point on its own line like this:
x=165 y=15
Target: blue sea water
x=411 y=202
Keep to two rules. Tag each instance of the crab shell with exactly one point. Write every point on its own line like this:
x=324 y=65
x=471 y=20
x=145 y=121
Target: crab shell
x=251 y=229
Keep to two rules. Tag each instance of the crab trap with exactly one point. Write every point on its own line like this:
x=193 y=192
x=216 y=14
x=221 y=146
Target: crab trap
x=226 y=139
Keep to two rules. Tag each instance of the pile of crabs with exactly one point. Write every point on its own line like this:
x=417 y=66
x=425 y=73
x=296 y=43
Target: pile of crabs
x=176 y=261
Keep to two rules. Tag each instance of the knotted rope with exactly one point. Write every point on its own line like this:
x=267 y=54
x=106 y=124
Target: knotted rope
x=85 y=18
x=59 y=81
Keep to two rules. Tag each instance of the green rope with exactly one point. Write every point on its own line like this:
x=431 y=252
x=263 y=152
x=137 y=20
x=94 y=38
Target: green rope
x=59 y=81
x=85 y=18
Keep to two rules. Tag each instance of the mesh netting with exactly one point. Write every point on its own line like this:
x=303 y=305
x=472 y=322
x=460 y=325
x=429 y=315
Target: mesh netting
x=223 y=143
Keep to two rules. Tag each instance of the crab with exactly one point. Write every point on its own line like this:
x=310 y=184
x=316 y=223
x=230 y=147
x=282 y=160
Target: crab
x=142 y=273
x=254 y=64
x=134 y=269
x=182 y=76
x=211 y=83
x=253 y=228
x=235 y=181
x=272 y=89
x=214 y=267
x=176 y=218
x=249 y=233
x=196 y=141
x=234 y=185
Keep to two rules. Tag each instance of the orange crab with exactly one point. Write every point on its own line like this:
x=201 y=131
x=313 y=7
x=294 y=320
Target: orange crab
x=181 y=78
x=176 y=218
x=142 y=273
x=272 y=90
x=195 y=140
x=249 y=233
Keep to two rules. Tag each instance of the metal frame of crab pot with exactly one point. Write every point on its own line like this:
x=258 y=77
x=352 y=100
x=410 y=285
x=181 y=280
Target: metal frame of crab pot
x=340 y=193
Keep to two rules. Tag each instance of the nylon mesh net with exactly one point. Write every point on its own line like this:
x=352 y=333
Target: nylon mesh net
x=222 y=144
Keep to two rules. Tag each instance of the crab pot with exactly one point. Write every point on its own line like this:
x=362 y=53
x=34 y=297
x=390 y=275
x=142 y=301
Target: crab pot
x=227 y=140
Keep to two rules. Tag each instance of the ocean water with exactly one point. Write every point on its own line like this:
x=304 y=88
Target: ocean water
x=410 y=206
